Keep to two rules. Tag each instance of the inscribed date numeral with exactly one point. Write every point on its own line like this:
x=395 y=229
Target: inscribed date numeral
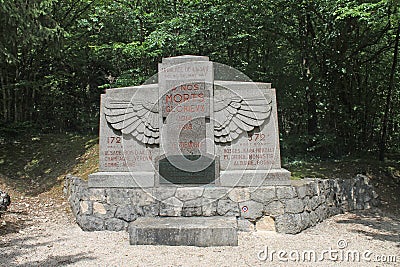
x=114 y=140
x=257 y=137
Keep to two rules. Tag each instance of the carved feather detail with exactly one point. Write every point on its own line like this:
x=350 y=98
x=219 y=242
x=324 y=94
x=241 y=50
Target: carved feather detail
x=236 y=115
x=138 y=118
x=232 y=116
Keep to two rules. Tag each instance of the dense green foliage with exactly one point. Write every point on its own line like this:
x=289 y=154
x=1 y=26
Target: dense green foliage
x=334 y=63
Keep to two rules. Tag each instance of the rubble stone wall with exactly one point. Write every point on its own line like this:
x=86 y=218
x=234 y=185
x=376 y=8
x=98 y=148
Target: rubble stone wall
x=285 y=209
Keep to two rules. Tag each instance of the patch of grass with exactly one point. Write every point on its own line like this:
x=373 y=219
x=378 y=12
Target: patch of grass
x=33 y=164
x=344 y=168
x=87 y=163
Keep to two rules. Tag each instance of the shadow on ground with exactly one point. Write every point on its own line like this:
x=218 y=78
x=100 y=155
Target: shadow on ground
x=16 y=248
x=16 y=225
x=377 y=225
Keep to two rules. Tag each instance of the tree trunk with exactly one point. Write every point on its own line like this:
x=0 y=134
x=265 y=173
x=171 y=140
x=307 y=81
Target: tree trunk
x=4 y=95
x=16 y=92
x=307 y=33
x=382 y=144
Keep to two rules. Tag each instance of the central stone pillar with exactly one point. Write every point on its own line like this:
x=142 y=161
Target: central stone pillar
x=186 y=122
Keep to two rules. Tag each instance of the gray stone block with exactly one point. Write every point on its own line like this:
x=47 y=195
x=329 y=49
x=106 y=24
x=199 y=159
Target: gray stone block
x=128 y=213
x=114 y=224
x=227 y=208
x=81 y=192
x=239 y=194
x=188 y=193
x=215 y=192
x=245 y=225
x=141 y=197
x=151 y=210
x=307 y=204
x=117 y=196
x=321 y=199
x=90 y=223
x=285 y=192
x=137 y=179
x=305 y=220
x=274 y=208
x=313 y=218
x=251 y=209
x=192 y=207
x=264 y=194
x=328 y=184
x=321 y=186
x=97 y=194
x=171 y=207
x=314 y=202
x=189 y=231
x=313 y=187
x=303 y=191
x=103 y=210
x=330 y=198
x=359 y=206
x=367 y=197
x=75 y=206
x=294 y=205
x=162 y=193
x=209 y=208
x=254 y=178
x=321 y=212
x=288 y=223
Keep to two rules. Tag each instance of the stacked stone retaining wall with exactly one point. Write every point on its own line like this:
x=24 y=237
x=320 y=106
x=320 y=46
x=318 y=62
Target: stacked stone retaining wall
x=285 y=209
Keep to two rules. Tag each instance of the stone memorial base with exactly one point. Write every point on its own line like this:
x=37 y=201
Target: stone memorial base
x=232 y=178
x=121 y=180
x=285 y=209
x=254 y=178
x=184 y=231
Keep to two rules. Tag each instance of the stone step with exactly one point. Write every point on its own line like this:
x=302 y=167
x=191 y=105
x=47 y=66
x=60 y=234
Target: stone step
x=184 y=231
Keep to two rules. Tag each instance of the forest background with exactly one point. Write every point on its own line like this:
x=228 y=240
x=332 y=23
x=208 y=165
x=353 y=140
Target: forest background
x=334 y=63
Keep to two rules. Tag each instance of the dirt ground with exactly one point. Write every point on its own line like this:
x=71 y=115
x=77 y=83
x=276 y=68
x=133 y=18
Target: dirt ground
x=40 y=231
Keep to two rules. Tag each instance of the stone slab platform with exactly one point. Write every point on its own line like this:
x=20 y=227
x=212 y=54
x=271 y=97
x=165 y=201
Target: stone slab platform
x=231 y=178
x=121 y=180
x=184 y=231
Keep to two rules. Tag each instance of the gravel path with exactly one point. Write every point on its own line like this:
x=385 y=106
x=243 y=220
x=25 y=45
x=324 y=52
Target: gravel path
x=37 y=233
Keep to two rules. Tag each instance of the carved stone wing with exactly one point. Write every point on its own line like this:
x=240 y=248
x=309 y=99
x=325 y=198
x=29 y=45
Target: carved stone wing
x=235 y=115
x=138 y=118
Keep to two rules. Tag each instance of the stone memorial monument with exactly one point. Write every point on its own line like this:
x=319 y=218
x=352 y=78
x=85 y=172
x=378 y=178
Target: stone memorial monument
x=190 y=129
x=192 y=155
